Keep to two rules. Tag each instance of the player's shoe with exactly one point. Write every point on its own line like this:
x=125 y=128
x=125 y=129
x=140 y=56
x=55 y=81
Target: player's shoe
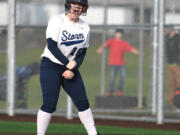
x=119 y=93
x=109 y=93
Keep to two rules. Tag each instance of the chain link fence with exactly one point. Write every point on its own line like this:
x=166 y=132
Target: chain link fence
x=136 y=18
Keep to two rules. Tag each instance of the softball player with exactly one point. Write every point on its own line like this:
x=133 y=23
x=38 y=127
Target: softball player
x=67 y=41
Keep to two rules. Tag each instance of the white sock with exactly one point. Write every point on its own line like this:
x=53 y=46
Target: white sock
x=87 y=120
x=43 y=119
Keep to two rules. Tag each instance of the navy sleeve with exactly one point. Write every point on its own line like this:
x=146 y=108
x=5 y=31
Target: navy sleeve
x=52 y=46
x=79 y=59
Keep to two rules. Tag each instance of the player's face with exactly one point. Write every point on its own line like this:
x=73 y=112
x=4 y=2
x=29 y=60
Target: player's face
x=75 y=11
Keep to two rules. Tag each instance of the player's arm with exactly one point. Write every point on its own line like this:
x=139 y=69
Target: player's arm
x=71 y=65
x=80 y=56
x=81 y=53
x=53 y=48
x=69 y=74
x=52 y=36
x=74 y=64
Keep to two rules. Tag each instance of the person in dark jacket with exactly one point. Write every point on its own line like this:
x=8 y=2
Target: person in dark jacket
x=173 y=59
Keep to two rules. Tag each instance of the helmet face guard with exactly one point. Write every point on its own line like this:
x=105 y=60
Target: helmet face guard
x=84 y=3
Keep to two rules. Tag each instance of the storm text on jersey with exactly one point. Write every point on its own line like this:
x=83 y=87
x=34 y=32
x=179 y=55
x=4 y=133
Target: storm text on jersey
x=71 y=39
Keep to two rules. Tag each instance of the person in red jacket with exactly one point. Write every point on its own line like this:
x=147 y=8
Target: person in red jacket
x=117 y=47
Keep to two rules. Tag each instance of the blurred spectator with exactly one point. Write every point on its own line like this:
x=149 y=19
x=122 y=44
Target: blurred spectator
x=172 y=41
x=117 y=47
x=23 y=75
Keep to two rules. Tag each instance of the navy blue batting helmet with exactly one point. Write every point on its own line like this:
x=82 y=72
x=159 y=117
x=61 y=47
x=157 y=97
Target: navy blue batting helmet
x=82 y=2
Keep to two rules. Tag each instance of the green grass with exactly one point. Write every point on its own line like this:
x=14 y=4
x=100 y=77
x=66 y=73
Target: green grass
x=91 y=73
x=30 y=127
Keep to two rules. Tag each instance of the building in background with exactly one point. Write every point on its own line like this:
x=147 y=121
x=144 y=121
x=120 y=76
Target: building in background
x=38 y=13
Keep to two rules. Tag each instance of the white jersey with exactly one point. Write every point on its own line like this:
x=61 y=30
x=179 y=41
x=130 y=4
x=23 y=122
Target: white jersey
x=68 y=36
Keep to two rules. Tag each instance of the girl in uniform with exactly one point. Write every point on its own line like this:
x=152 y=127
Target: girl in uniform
x=67 y=41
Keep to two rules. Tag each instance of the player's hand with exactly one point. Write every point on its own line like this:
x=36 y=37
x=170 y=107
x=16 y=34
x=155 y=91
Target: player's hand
x=68 y=74
x=72 y=64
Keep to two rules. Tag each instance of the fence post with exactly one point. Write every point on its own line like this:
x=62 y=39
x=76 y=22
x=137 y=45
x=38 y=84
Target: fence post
x=154 y=60
x=11 y=58
x=141 y=58
x=69 y=108
x=160 y=114
x=103 y=59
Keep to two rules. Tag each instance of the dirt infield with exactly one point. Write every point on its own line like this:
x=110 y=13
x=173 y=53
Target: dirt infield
x=57 y=119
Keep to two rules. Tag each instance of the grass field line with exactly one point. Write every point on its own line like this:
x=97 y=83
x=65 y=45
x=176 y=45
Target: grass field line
x=54 y=128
